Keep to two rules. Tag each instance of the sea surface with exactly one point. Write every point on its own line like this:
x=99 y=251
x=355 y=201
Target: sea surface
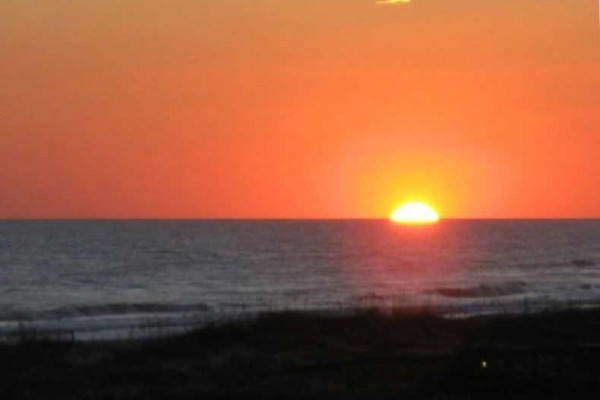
x=124 y=279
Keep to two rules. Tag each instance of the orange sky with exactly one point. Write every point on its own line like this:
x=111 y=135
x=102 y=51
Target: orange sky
x=298 y=109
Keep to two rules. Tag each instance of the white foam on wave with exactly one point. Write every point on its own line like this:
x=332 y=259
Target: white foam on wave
x=106 y=327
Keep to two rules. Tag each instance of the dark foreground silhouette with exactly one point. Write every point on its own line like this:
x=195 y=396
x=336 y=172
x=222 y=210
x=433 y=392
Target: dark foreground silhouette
x=306 y=355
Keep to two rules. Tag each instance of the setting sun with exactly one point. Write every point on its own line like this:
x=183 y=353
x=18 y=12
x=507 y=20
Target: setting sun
x=415 y=213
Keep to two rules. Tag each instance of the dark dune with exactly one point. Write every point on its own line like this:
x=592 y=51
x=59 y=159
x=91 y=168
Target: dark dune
x=306 y=355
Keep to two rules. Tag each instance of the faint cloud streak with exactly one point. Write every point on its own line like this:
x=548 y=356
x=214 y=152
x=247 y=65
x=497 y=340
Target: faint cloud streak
x=390 y=2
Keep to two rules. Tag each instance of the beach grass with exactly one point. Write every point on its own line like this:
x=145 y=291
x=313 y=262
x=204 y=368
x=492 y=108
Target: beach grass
x=359 y=354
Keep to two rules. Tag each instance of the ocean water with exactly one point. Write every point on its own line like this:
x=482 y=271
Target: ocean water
x=107 y=279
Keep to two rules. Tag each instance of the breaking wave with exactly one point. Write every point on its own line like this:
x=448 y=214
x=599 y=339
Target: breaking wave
x=482 y=290
x=111 y=309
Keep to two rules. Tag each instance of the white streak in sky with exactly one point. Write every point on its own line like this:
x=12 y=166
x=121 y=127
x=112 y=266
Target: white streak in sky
x=388 y=2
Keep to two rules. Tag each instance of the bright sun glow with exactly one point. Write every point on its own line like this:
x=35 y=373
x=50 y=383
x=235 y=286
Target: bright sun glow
x=415 y=213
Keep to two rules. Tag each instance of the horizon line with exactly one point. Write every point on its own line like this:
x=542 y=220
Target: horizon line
x=283 y=219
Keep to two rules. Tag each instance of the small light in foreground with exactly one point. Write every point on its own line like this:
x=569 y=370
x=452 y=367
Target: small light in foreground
x=415 y=214
x=484 y=364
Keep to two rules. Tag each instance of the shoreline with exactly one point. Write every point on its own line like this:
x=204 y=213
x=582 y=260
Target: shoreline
x=148 y=326
x=142 y=327
x=303 y=354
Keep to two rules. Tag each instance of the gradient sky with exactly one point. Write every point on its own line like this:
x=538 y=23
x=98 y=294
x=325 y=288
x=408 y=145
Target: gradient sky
x=298 y=108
